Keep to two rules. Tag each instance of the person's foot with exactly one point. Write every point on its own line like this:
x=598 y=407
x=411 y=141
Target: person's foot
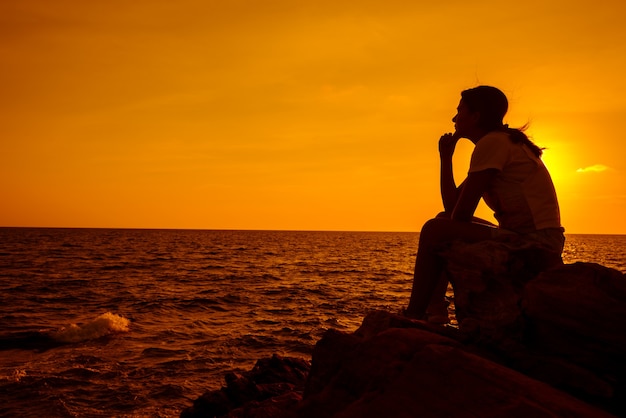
x=410 y=315
x=437 y=312
x=437 y=319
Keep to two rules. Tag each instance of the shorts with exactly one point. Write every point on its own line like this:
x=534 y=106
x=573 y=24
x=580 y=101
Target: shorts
x=549 y=239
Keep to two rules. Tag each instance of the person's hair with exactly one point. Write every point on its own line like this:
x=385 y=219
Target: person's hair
x=492 y=105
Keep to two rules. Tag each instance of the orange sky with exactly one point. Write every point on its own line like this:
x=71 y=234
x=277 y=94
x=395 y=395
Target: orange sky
x=282 y=114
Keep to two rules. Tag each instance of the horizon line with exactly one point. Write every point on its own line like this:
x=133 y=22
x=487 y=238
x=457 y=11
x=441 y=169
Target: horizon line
x=253 y=229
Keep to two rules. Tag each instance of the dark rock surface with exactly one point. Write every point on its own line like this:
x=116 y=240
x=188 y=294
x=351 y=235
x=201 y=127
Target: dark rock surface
x=551 y=344
x=272 y=387
x=412 y=372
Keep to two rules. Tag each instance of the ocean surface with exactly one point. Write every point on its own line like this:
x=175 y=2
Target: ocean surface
x=138 y=323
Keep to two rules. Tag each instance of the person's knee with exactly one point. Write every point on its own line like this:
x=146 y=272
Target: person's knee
x=433 y=227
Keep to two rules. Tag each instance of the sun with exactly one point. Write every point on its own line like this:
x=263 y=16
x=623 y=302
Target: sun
x=557 y=157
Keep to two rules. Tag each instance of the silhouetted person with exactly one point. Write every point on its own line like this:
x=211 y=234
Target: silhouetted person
x=507 y=172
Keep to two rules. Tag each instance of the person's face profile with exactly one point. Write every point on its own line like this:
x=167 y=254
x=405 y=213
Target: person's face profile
x=465 y=120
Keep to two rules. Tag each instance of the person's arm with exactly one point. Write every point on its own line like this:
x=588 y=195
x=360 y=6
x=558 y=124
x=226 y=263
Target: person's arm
x=473 y=189
x=449 y=191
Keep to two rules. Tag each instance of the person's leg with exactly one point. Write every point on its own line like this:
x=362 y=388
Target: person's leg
x=429 y=265
x=437 y=311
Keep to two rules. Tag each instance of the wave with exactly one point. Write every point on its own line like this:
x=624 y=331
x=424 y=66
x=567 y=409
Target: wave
x=105 y=324
x=43 y=340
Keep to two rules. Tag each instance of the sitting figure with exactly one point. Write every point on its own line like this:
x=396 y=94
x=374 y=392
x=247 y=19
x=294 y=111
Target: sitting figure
x=507 y=172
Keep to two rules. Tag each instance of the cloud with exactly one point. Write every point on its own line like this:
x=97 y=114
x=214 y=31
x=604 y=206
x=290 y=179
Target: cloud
x=596 y=168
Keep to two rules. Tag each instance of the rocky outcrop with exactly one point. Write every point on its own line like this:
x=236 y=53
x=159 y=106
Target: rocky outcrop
x=406 y=371
x=575 y=315
x=271 y=388
x=551 y=344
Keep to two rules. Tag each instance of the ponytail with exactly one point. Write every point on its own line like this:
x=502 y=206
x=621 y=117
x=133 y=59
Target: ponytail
x=518 y=136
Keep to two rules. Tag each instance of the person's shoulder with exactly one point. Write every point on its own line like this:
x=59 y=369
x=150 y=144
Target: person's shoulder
x=494 y=139
x=496 y=136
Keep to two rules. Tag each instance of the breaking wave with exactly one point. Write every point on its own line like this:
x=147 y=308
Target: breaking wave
x=105 y=324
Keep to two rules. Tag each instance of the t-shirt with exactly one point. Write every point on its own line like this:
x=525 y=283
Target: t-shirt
x=522 y=194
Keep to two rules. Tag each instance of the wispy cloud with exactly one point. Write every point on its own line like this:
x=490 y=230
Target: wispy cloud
x=596 y=168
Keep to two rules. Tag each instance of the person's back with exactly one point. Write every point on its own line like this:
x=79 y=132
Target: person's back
x=522 y=194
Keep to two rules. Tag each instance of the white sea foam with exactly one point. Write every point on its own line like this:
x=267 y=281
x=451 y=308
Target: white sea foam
x=105 y=324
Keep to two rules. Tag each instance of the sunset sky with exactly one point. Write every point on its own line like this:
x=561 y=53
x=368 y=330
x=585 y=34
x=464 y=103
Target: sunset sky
x=287 y=114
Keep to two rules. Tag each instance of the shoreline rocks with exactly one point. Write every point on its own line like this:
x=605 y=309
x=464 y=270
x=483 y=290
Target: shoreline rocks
x=556 y=347
x=273 y=386
x=407 y=372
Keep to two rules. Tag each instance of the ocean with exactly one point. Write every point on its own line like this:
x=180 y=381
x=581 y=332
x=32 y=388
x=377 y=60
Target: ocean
x=139 y=323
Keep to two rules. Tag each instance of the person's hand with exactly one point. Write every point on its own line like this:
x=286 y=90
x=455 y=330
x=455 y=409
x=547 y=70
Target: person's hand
x=447 y=144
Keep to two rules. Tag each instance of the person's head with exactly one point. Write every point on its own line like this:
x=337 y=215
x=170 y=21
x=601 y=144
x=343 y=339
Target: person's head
x=482 y=110
x=489 y=105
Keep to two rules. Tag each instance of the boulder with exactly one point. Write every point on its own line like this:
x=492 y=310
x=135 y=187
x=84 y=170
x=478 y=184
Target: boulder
x=576 y=314
x=271 y=388
x=408 y=371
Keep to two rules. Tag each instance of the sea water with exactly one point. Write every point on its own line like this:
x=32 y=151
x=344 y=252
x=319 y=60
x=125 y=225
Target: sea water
x=138 y=323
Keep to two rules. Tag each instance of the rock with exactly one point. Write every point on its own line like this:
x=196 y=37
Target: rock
x=271 y=388
x=408 y=371
x=576 y=314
